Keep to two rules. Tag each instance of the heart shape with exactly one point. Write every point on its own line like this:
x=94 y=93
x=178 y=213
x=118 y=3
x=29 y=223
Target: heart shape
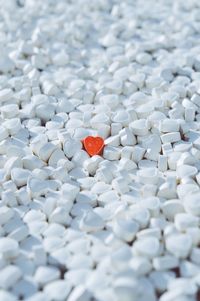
x=93 y=145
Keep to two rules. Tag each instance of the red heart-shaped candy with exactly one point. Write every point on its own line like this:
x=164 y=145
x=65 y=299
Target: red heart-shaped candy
x=93 y=145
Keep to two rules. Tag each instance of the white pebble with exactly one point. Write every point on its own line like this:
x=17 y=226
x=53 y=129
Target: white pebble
x=139 y=127
x=91 y=222
x=148 y=247
x=179 y=245
x=9 y=248
x=9 y=276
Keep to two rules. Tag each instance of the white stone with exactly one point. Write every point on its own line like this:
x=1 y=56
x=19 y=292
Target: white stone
x=125 y=229
x=70 y=191
x=79 y=293
x=139 y=127
x=165 y=262
x=91 y=164
x=6 y=296
x=91 y=222
x=171 y=137
x=120 y=185
x=185 y=220
x=9 y=248
x=5 y=94
x=191 y=203
x=13 y=125
x=179 y=245
x=168 y=126
x=148 y=247
x=57 y=290
x=162 y=163
x=171 y=208
x=20 y=233
x=137 y=153
x=148 y=175
x=9 y=276
x=186 y=171
x=71 y=147
x=20 y=176
x=6 y=214
x=195 y=255
x=45 y=274
x=111 y=153
x=46 y=150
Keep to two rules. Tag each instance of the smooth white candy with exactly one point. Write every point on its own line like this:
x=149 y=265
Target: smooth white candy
x=91 y=222
x=9 y=276
x=139 y=127
x=179 y=245
x=9 y=248
x=148 y=247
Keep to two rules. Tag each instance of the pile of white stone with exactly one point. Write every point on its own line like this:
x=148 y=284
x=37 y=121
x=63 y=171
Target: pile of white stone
x=123 y=226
